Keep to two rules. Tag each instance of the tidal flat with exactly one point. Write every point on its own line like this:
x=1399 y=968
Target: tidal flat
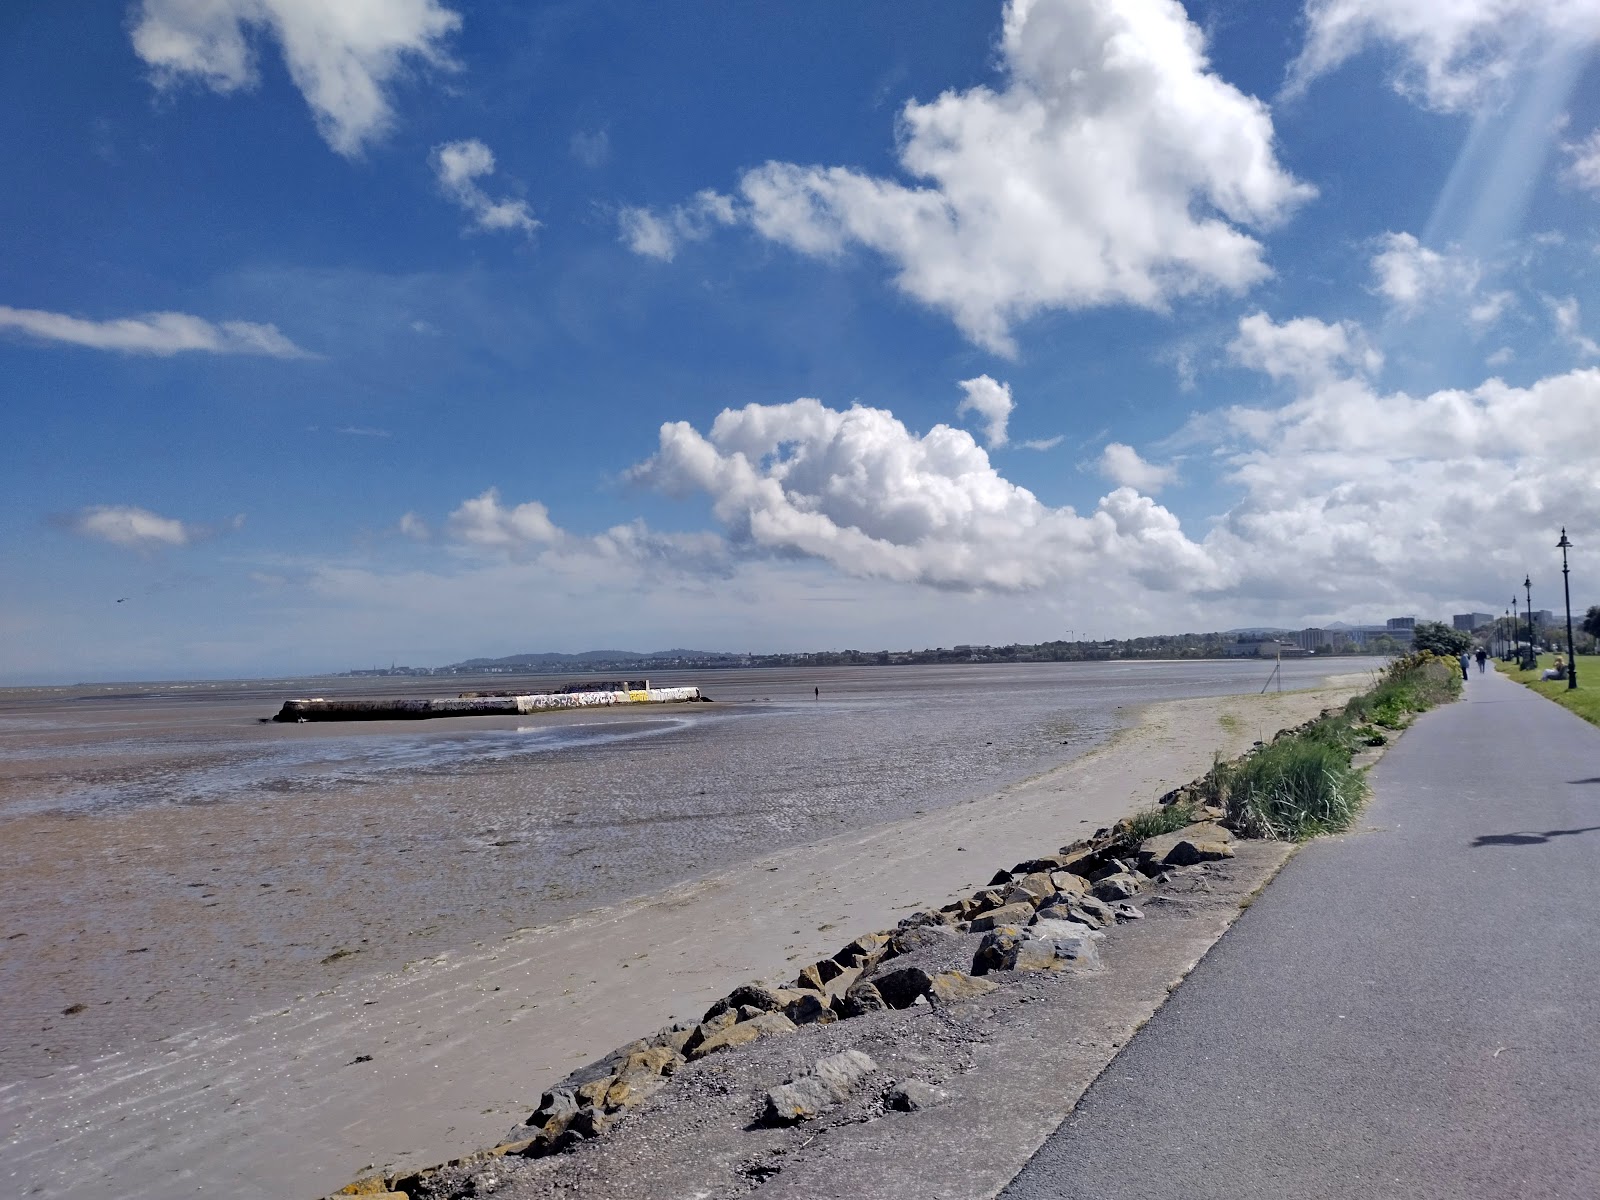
x=191 y=876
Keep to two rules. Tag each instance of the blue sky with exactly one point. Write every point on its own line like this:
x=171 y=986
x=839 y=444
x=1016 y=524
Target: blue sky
x=412 y=330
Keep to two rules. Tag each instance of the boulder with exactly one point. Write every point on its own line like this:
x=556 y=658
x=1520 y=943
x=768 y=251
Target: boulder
x=673 y=1037
x=1191 y=851
x=593 y=1093
x=862 y=997
x=950 y=987
x=914 y=1095
x=862 y=951
x=1019 y=913
x=1086 y=910
x=556 y=1108
x=658 y=1060
x=1122 y=886
x=797 y=1101
x=1126 y=912
x=1157 y=852
x=1032 y=888
x=1066 y=881
x=1108 y=868
x=901 y=987
x=818 y=975
x=590 y=1123
x=998 y=950
x=918 y=937
x=630 y=1090
x=748 y=995
x=809 y=1009
x=767 y=1024
x=1046 y=945
x=830 y=1082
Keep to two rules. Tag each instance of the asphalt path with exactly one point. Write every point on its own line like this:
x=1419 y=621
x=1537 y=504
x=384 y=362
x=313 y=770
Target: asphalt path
x=1410 y=1010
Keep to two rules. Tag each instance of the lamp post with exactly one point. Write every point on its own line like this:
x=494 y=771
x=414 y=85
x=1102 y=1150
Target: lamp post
x=1566 y=586
x=1532 y=660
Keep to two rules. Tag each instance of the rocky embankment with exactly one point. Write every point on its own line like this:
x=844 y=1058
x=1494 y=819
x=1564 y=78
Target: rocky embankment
x=882 y=1026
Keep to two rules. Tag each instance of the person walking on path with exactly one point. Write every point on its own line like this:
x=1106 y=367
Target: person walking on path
x=1483 y=658
x=1465 y=662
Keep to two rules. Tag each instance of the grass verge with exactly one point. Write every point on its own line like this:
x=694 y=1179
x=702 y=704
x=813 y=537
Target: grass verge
x=1583 y=699
x=1302 y=783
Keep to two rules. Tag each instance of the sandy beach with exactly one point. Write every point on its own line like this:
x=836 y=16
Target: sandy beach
x=408 y=1067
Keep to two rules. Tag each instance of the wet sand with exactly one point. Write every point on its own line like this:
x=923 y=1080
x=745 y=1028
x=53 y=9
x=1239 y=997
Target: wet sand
x=461 y=1042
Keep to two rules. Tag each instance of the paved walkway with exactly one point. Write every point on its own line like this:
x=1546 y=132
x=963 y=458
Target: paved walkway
x=1411 y=1011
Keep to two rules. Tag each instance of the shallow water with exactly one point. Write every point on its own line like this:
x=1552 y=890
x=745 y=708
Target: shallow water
x=169 y=859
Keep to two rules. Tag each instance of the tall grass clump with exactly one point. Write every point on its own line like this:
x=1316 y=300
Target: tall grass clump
x=1294 y=789
x=1166 y=818
x=1302 y=783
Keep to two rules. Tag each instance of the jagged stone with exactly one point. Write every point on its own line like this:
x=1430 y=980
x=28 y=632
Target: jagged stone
x=1191 y=851
x=1044 y=946
x=1122 y=886
x=1001 y=878
x=631 y=1090
x=723 y=1020
x=950 y=987
x=914 y=1095
x=809 y=1009
x=830 y=1082
x=1126 y=912
x=819 y=974
x=747 y=995
x=594 y=1092
x=1019 y=913
x=767 y=1024
x=1159 y=851
x=861 y=951
x=1066 y=881
x=998 y=950
x=797 y=1101
x=658 y=1060
x=1032 y=888
x=862 y=997
x=556 y=1108
x=590 y=1123
x=918 y=937
x=901 y=987
x=673 y=1036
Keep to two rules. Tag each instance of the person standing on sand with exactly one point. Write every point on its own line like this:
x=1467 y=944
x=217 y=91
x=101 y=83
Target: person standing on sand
x=1465 y=661
x=1483 y=658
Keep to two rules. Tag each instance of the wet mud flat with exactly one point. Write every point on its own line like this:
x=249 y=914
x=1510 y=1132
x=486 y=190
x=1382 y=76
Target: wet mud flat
x=205 y=891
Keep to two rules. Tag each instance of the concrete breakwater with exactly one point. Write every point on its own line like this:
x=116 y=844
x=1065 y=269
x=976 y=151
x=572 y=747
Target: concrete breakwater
x=475 y=705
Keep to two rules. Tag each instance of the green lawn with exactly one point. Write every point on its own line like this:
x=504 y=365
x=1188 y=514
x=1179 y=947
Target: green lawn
x=1583 y=700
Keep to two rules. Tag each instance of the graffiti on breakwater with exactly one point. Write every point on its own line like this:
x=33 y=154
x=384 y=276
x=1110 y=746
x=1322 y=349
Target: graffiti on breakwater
x=553 y=700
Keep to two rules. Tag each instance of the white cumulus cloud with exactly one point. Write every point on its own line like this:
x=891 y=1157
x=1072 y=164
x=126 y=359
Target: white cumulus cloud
x=159 y=333
x=459 y=166
x=343 y=56
x=1304 y=348
x=1110 y=166
x=1411 y=276
x=857 y=489
x=1455 y=54
x=484 y=521
x=991 y=400
x=1123 y=466
x=134 y=528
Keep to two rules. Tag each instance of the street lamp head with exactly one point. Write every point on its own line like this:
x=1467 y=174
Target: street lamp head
x=1527 y=581
x=1563 y=544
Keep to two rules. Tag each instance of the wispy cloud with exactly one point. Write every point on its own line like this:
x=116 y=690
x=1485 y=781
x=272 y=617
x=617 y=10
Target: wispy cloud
x=459 y=166
x=134 y=528
x=160 y=333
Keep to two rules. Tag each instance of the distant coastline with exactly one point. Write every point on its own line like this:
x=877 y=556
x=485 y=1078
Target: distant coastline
x=1162 y=647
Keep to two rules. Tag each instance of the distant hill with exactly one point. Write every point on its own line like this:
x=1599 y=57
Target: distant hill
x=551 y=660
